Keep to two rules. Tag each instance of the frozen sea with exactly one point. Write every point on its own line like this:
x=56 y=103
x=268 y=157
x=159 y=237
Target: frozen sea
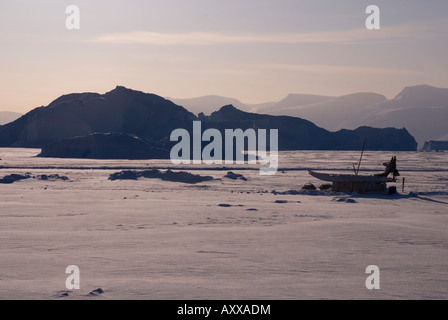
x=153 y=239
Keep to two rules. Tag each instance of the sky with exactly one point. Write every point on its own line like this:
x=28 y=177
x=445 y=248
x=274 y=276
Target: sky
x=252 y=50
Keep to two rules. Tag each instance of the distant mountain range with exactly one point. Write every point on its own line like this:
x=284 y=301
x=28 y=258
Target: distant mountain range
x=299 y=134
x=6 y=117
x=153 y=118
x=423 y=110
x=209 y=104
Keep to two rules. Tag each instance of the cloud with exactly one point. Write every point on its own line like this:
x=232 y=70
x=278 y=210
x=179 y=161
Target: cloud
x=214 y=38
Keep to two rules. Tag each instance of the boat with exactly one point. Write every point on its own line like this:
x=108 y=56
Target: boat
x=347 y=177
x=376 y=183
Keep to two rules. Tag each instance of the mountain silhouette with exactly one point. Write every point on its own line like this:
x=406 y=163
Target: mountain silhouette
x=421 y=109
x=121 y=110
x=330 y=113
x=153 y=118
x=294 y=100
x=299 y=134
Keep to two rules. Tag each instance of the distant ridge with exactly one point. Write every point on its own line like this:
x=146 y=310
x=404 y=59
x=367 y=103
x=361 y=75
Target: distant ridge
x=7 y=116
x=299 y=134
x=208 y=104
x=153 y=118
x=333 y=112
x=421 y=109
x=295 y=100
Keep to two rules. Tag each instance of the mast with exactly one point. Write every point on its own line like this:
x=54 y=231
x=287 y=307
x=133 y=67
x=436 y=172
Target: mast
x=360 y=159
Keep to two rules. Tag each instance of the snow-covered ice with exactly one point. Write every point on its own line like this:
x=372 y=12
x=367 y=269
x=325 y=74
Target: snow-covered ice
x=152 y=239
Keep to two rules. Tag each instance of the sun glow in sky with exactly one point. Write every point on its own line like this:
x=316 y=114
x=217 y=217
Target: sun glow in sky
x=252 y=50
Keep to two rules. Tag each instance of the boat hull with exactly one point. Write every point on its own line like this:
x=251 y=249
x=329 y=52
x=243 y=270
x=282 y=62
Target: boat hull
x=349 y=178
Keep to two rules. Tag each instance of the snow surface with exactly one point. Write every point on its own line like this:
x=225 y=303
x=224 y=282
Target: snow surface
x=152 y=239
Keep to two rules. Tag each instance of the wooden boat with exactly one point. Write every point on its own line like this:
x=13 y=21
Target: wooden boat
x=358 y=183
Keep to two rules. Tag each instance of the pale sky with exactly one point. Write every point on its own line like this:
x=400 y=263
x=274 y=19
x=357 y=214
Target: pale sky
x=252 y=50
